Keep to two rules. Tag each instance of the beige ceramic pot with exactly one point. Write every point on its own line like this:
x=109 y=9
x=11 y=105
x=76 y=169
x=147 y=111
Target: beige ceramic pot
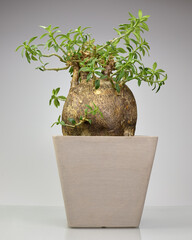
x=104 y=179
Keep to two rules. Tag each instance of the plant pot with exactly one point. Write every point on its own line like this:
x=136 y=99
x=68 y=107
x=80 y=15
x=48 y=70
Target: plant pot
x=104 y=179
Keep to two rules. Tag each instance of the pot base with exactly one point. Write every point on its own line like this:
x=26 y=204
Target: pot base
x=104 y=179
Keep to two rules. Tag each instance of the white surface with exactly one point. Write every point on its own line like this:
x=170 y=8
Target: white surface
x=28 y=172
x=49 y=223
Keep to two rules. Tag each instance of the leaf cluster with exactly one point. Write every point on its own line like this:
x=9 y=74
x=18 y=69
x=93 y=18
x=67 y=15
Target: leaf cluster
x=55 y=98
x=108 y=61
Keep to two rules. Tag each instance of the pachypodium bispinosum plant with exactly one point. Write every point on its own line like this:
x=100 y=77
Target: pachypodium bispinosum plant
x=86 y=60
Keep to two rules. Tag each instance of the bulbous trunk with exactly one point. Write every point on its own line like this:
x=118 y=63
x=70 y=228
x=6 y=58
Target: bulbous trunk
x=119 y=110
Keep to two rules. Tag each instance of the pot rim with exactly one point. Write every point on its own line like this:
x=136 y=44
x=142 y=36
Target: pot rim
x=136 y=136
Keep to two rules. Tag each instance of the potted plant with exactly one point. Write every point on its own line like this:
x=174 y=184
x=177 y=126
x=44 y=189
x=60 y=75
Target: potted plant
x=104 y=169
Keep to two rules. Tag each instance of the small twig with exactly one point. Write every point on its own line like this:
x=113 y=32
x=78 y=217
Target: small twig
x=143 y=79
x=55 y=69
x=120 y=37
x=58 y=45
x=85 y=119
x=54 y=54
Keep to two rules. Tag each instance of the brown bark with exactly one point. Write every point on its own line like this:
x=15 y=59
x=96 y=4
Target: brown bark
x=119 y=110
x=74 y=81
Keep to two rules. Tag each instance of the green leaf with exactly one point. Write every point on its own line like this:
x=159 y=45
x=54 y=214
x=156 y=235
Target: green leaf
x=57 y=90
x=99 y=74
x=18 y=48
x=116 y=42
x=101 y=114
x=104 y=77
x=118 y=32
x=53 y=124
x=50 y=101
x=72 y=120
x=85 y=28
x=143 y=51
x=97 y=83
x=89 y=106
x=158 y=89
x=39 y=53
x=34 y=58
x=89 y=76
x=42 y=36
x=25 y=43
x=94 y=105
x=144 y=26
x=140 y=14
x=27 y=56
x=62 y=98
x=154 y=65
x=100 y=69
x=89 y=120
x=133 y=40
x=137 y=36
x=43 y=27
x=22 y=52
x=56 y=47
x=49 y=44
x=139 y=82
x=56 y=103
x=62 y=123
x=85 y=69
x=121 y=50
x=32 y=39
x=40 y=68
x=160 y=71
x=117 y=87
x=48 y=28
x=55 y=28
x=145 y=18
x=132 y=16
x=120 y=75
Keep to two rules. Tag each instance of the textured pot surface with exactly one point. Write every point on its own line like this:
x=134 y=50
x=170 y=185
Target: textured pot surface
x=104 y=179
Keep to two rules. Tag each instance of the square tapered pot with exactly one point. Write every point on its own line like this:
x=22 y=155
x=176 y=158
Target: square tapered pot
x=104 y=179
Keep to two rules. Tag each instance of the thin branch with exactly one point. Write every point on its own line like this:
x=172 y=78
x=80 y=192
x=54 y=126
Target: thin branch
x=145 y=80
x=55 y=69
x=120 y=37
x=58 y=44
x=54 y=54
x=77 y=124
x=112 y=41
x=84 y=119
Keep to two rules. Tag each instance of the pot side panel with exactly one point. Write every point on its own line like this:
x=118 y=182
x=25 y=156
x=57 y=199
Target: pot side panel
x=104 y=179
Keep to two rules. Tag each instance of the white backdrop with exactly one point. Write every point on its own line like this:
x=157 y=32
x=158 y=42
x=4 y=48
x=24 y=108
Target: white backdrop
x=28 y=171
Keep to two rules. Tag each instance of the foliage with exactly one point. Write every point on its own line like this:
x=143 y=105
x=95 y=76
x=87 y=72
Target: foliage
x=93 y=111
x=56 y=98
x=109 y=61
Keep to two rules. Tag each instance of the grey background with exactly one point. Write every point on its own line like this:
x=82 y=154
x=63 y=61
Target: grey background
x=28 y=172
